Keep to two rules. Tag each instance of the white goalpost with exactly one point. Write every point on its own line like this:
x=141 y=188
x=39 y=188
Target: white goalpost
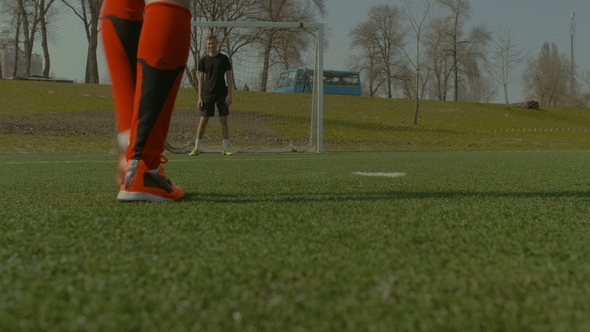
x=263 y=117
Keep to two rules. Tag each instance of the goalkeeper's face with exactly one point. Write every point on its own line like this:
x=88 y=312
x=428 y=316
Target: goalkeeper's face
x=212 y=47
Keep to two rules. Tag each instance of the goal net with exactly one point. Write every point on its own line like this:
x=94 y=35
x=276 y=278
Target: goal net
x=275 y=110
x=270 y=112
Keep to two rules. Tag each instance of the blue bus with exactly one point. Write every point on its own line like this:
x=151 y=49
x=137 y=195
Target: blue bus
x=336 y=82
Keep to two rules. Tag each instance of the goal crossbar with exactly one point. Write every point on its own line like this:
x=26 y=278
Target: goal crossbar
x=319 y=66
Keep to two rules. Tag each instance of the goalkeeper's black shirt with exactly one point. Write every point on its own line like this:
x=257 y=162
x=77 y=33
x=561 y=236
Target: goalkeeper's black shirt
x=214 y=68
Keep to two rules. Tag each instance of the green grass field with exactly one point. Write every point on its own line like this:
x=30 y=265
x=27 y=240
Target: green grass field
x=465 y=241
x=350 y=123
x=488 y=230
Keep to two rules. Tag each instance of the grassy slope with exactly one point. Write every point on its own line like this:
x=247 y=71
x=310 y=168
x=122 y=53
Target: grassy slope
x=350 y=123
x=493 y=241
x=26 y=96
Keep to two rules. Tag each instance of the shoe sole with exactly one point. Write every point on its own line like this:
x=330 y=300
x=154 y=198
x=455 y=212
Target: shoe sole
x=135 y=196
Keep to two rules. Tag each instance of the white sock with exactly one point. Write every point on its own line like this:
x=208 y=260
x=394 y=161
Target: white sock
x=225 y=143
x=197 y=143
x=123 y=139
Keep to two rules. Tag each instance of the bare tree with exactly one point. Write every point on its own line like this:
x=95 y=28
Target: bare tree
x=585 y=77
x=504 y=57
x=417 y=24
x=367 y=62
x=18 y=25
x=438 y=43
x=547 y=76
x=471 y=59
x=585 y=80
x=383 y=33
x=406 y=75
x=477 y=88
x=230 y=39
x=11 y=9
x=89 y=11
x=46 y=13
x=196 y=44
x=5 y=44
x=30 y=18
x=276 y=42
x=460 y=11
x=453 y=52
x=29 y=13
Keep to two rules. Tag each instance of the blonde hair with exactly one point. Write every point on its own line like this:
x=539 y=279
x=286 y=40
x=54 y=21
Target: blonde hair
x=211 y=37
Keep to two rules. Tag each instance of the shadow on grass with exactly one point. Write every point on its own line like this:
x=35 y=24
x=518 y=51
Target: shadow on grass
x=376 y=196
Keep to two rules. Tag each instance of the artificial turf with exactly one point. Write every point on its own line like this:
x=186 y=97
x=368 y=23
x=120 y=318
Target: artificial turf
x=490 y=241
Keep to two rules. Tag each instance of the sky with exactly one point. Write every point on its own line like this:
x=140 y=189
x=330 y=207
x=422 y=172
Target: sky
x=530 y=22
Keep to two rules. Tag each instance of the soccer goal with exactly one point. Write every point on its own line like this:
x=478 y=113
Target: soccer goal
x=278 y=87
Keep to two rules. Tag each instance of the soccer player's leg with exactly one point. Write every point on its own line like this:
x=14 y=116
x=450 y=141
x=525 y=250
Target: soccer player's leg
x=223 y=114
x=121 y=26
x=162 y=54
x=207 y=110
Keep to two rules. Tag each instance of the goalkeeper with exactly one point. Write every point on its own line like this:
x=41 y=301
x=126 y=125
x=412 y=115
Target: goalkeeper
x=212 y=90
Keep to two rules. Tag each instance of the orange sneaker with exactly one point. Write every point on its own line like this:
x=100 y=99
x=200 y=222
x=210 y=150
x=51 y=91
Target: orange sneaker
x=141 y=185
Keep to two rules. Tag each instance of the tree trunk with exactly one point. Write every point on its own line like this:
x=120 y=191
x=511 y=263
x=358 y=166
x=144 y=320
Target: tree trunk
x=90 y=15
x=506 y=95
x=389 y=86
x=44 y=37
x=28 y=43
x=416 y=109
x=417 y=96
x=16 y=47
x=92 y=76
x=45 y=46
x=455 y=71
x=266 y=65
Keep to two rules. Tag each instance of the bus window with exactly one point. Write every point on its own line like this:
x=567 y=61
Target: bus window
x=283 y=79
x=291 y=78
x=352 y=80
x=335 y=82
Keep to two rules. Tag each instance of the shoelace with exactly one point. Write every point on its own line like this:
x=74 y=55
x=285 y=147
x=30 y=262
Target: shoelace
x=163 y=160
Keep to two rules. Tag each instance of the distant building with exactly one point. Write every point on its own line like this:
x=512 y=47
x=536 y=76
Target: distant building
x=8 y=51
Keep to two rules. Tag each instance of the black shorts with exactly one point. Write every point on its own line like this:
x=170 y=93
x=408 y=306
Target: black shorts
x=209 y=103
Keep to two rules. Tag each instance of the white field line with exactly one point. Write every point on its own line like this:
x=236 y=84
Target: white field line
x=388 y=175
x=58 y=162
x=114 y=161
